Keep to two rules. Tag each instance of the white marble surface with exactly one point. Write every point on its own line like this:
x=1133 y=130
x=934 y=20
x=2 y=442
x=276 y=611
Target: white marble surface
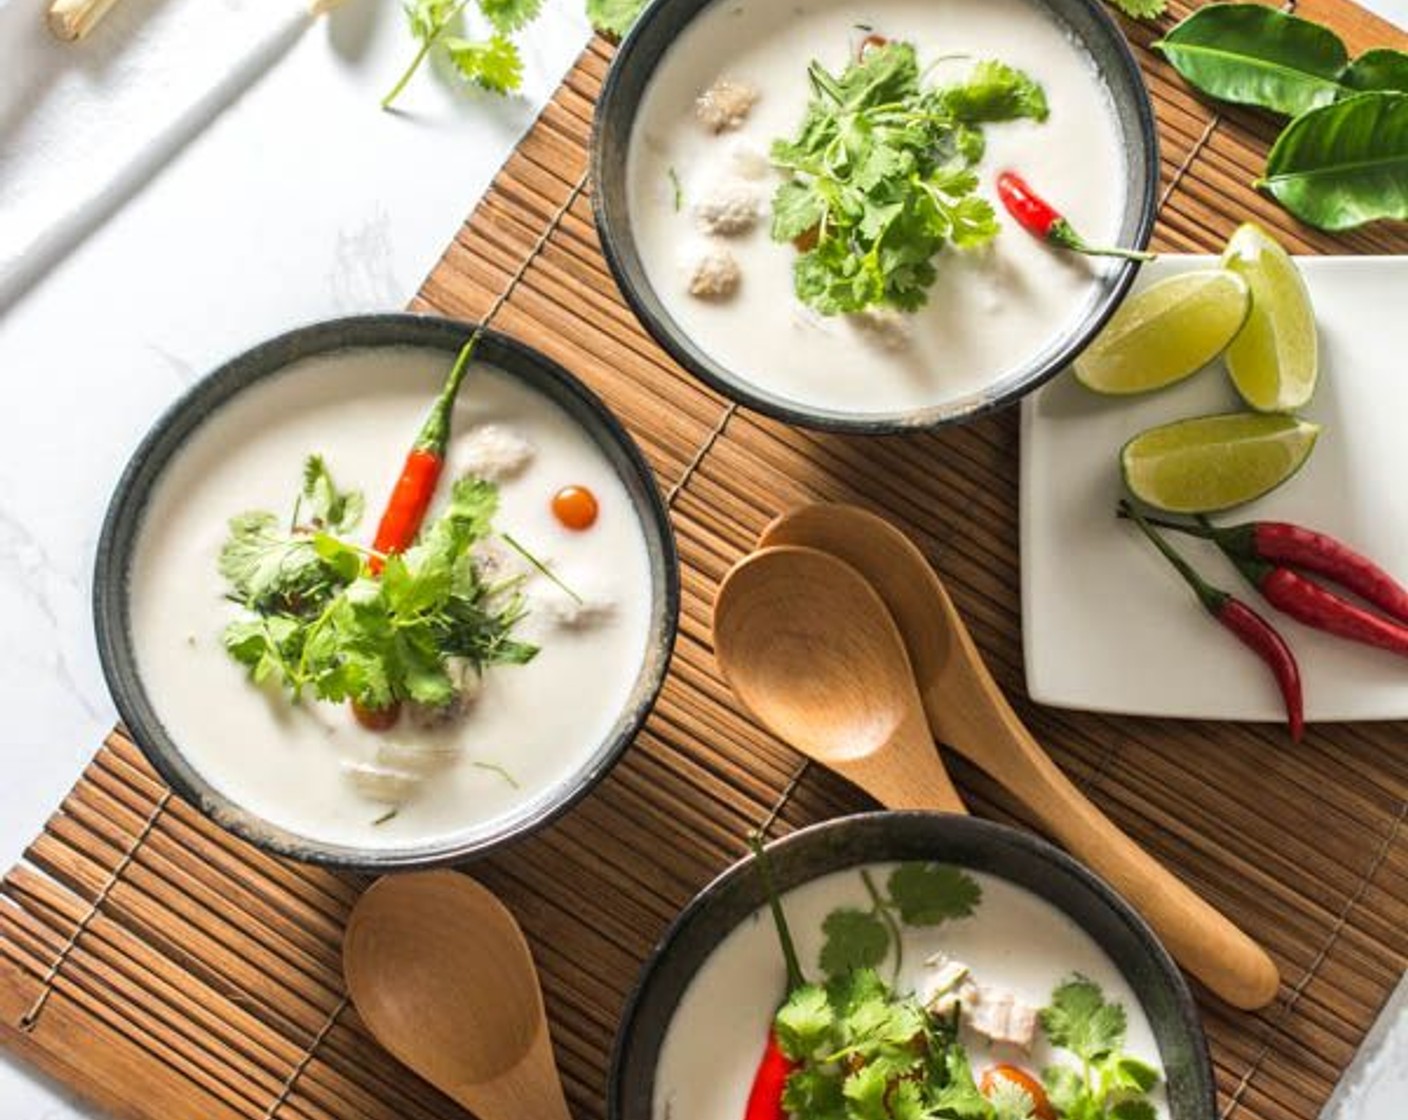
x=300 y=200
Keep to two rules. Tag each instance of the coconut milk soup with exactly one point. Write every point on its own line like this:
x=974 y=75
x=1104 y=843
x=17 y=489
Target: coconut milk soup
x=1010 y=953
x=700 y=174
x=310 y=767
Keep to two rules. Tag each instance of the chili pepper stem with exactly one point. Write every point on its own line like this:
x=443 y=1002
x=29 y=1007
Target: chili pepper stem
x=1212 y=599
x=1061 y=233
x=795 y=979
x=435 y=432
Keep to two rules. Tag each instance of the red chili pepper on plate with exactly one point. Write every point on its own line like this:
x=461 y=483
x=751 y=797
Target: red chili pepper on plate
x=1279 y=542
x=775 y=1067
x=1037 y=216
x=415 y=487
x=1246 y=625
x=1306 y=601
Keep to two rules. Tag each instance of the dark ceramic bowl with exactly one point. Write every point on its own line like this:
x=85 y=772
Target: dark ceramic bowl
x=1004 y=852
x=629 y=77
x=123 y=526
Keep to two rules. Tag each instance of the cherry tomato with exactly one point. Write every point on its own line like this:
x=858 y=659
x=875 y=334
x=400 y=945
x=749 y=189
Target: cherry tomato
x=1019 y=1077
x=575 y=507
x=376 y=719
x=873 y=41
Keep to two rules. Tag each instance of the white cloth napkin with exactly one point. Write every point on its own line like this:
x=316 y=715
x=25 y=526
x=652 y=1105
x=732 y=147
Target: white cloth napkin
x=84 y=125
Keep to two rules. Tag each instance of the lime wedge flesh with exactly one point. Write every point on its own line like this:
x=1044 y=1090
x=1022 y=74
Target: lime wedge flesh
x=1211 y=463
x=1274 y=361
x=1166 y=332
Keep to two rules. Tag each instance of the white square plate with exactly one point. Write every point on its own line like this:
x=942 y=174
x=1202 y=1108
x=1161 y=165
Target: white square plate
x=1107 y=623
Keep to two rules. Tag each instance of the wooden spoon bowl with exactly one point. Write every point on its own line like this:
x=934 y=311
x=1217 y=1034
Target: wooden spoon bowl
x=440 y=971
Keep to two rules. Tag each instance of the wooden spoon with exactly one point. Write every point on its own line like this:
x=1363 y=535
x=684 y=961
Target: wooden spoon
x=967 y=711
x=441 y=973
x=809 y=648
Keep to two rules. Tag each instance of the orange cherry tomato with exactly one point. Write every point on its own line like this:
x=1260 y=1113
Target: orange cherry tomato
x=1019 y=1077
x=575 y=507
x=376 y=719
x=873 y=41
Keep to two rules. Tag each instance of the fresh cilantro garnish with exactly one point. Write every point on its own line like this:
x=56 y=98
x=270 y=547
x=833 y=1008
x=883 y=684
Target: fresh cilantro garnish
x=1141 y=9
x=614 y=17
x=867 y=1053
x=1109 y=1085
x=493 y=64
x=880 y=176
x=315 y=619
x=918 y=894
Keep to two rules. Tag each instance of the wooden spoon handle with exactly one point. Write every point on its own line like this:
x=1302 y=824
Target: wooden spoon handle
x=1202 y=939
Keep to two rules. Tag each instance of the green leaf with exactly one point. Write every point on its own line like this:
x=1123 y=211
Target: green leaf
x=995 y=91
x=508 y=16
x=930 y=893
x=1125 y=1074
x=1254 y=55
x=1345 y=164
x=960 y=1098
x=1382 y=69
x=1064 y=1088
x=804 y=1022
x=428 y=17
x=1079 y=1020
x=1133 y=1110
x=493 y=64
x=1141 y=9
x=327 y=506
x=854 y=939
x=614 y=17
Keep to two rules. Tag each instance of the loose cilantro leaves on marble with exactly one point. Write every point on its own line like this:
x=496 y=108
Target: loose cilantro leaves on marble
x=916 y=894
x=316 y=620
x=1109 y=1084
x=880 y=176
x=493 y=61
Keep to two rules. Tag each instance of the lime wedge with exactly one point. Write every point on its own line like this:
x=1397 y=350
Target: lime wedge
x=1166 y=332
x=1274 y=361
x=1215 y=462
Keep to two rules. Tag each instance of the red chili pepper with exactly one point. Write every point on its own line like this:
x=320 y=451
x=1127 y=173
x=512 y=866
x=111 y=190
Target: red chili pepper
x=1306 y=601
x=770 y=1080
x=1282 y=543
x=1246 y=625
x=1037 y=216
x=415 y=487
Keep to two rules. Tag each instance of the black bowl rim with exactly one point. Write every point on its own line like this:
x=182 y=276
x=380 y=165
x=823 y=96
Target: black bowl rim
x=935 y=416
x=255 y=365
x=938 y=826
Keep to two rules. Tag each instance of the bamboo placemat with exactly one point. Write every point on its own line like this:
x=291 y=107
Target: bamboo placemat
x=165 y=970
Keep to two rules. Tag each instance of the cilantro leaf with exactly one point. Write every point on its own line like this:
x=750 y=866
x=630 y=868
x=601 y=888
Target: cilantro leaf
x=428 y=17
x=1141 y=9
x=614 y=17
x=995 y=91
x=493 y=64
x=1079 y=1020
x=332 y=509
x=930 y=893
x=854 y=939
x=508 y=16
x=960 y=1098
x=804 y=1022
x=269 y=570
x=1109 y=1085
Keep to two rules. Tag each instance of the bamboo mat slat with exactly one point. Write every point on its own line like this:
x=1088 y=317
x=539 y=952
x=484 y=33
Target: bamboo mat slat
x=164 y=970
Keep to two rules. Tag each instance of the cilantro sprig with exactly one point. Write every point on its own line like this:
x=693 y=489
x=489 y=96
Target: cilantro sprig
x=1109 y=1085
x=868 y=1053
x=493 y=61
x=315 y=619
x=916 y=894
x=880 y=176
